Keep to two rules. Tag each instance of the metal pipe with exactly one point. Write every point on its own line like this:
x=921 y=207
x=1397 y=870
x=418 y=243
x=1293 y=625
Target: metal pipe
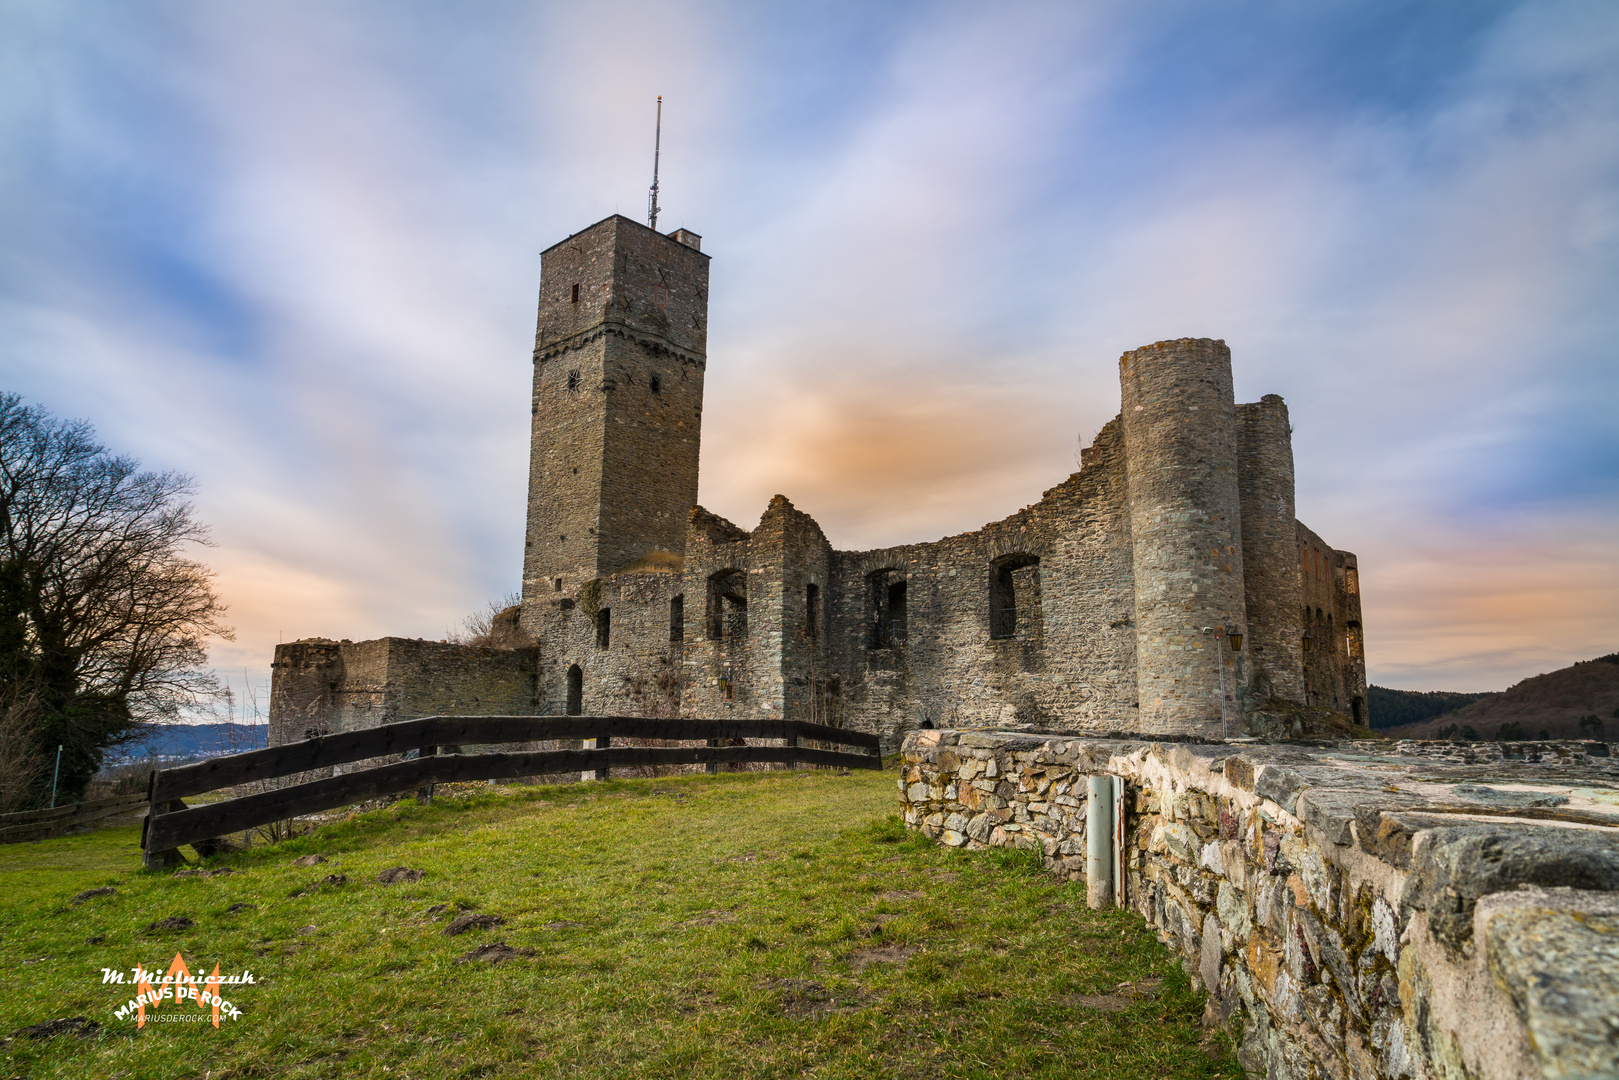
x=1100 y=812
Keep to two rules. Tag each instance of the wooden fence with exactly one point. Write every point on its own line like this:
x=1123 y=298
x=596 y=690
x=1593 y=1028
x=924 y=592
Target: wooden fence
x=40 y=824
x=170 y=823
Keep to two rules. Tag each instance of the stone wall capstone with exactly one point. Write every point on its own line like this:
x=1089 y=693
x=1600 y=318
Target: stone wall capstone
x=1424 y=911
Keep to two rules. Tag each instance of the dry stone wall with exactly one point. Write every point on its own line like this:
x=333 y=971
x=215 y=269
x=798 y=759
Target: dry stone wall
x=1394 y=911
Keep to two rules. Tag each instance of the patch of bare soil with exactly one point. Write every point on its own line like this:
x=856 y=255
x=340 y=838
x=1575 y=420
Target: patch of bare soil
x=462 y=923
x=330 y=881
x=400 y=873
x=805 y=997
x=309 y=860
x=712 y=917
x=173 y=922
x=1120 y=997
x=495 y=952
x=903 y=895
x=105 y=890
x=82 y=1026
x=880 y=954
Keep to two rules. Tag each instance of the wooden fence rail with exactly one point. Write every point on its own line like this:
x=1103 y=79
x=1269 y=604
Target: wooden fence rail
x=40 y=824
x=170 y=823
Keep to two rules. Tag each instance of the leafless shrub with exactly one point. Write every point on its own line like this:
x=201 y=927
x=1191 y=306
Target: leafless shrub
x=497 y=626
x=20 y=760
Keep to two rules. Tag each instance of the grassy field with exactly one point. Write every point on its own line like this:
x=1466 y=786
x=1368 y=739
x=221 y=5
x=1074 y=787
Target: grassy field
x=748 y=925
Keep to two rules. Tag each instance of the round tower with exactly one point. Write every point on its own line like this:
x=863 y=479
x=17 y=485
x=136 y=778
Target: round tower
x=1181 y=463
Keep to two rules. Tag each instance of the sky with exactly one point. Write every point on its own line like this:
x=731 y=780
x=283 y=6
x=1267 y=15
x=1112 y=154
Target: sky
x=291 y=248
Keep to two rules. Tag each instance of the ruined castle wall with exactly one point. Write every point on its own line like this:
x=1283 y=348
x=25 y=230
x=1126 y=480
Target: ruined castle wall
x=1069 y=661
x=799 y=679
x=303 y=677
x=1271 y=580
x=1366 y=913
x=1180 y=436
x=637 y=671
x=325 y=686
x=1335 y=663
x=725 y=676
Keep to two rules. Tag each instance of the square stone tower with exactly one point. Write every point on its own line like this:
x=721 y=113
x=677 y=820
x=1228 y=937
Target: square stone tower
x=619 y=354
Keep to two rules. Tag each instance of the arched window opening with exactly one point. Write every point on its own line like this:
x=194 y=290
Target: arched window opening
x=1014 y=595
x=604 y=627
x=889 y=620
x=727 y=605
x=677 y=618
x=1352 y=581
x=576 y=691
x=1356 y=644
x=812 y=611
x=1357 y=711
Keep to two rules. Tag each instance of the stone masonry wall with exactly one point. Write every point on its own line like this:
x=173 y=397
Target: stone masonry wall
x=1335 y=664
x=1362 y=910
x=328 y=686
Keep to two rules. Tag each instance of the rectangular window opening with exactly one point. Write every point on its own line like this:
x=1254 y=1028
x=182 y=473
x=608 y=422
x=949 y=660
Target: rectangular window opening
x=677 y=618
x=812 y=611
x=604 y=628
x=576 y=292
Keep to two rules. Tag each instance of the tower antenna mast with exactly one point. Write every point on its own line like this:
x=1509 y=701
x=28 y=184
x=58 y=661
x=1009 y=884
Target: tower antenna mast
x=652 y=206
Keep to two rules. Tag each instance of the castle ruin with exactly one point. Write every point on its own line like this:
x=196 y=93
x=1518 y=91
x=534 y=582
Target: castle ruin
x=1166 y=588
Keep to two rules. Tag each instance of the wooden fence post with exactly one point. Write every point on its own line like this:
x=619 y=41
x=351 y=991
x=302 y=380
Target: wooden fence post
x=602 y=743
x=156 y=860
x=713 y=766
x=424 y=796
x=792 y=744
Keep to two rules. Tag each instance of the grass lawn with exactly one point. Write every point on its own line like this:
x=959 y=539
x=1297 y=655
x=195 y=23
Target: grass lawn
x=744 y=925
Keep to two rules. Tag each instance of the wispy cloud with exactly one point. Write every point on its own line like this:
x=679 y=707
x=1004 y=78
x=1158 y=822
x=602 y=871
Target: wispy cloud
x=292 y=248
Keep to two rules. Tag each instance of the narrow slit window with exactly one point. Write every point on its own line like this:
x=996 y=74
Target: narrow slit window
x=576 y=691
x=656 y=383
x=812 y=611
x=604 y=628
x=677 y=618
x=576 y=292
x=573 y=379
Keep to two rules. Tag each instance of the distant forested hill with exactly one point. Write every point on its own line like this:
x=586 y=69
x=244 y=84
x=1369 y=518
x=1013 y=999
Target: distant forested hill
x=1396 y=708
x=197 y=740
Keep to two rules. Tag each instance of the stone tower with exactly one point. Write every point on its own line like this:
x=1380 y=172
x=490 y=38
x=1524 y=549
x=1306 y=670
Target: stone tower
x=1181 y=455
x=619 y=353
x=1270 y=553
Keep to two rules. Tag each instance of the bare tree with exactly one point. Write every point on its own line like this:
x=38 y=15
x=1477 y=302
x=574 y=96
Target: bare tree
x=102 y=617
